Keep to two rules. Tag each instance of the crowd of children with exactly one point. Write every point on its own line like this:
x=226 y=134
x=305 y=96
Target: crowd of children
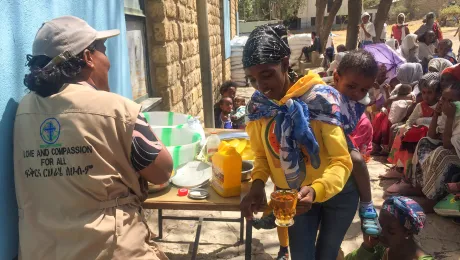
x=230 y=111
x=412 y=117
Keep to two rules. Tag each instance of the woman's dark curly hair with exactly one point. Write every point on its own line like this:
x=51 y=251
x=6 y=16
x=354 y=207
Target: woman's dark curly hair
x=46 y=82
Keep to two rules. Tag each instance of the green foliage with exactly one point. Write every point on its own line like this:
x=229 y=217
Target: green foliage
x=370 y=3
x=396 y=9
x=288 y=8
x=253 y=10
x=449 y=12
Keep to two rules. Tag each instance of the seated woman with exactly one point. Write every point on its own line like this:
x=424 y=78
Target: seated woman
x=439 y=65
x=436 y=161
x=317 y=163
x=426 y=46
x=415 y=128
x=401 y=218
x=407 y=74
x=410 y=48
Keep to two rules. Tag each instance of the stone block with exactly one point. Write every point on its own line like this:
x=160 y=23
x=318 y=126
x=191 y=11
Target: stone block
x=176 y=94
x=163 y=31
x=178 y=108
x=183 y=2
x=193 y=111
x=180 y=30
x=196 y=77
x=187 y=68
x=175 y=31
x=190 y=3
x=195 y=94
x=188 y=83
x=165 y=54
x=181 y=12
x=171 y=9
x=179 y=70
x=155 y=10
x=189 y=32
x=165 y=76
x=188 y=101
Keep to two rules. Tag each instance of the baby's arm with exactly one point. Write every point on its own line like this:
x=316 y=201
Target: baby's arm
x=240 y=112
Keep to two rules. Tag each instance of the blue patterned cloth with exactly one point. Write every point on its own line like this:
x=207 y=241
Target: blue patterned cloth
x=328 y=105
x=408 y=212
x=292 y=128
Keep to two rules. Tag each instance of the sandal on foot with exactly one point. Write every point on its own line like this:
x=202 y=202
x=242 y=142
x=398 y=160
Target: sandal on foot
x=371 y=227
x=369 y=222
x=267 y=222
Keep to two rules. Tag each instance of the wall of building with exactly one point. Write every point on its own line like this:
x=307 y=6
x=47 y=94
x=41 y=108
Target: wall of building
x=20 y=22
x=308 y=10
x=172 y=32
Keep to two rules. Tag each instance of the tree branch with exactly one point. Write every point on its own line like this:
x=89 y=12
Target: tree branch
x=330 y=21
x=381 y=17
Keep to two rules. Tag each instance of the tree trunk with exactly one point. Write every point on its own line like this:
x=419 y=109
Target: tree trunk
x=381 y=17
x=320 y=9
x=324 y=34
x=354 y=19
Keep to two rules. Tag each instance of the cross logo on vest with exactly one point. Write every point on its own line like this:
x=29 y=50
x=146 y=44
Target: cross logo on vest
x=50 y=130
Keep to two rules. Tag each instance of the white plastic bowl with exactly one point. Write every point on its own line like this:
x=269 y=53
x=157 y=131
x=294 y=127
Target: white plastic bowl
x=162 y=119
x=182 y=143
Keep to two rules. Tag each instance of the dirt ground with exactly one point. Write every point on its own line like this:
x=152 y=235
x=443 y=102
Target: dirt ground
x=440 y=237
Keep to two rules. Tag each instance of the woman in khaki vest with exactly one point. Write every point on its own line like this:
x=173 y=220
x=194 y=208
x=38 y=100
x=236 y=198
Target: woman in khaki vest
x=82 y=154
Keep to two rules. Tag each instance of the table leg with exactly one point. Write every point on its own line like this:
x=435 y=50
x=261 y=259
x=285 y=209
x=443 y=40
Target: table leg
x=248 y=245
x=242 y=229
x=197 y=239
x=160 y=224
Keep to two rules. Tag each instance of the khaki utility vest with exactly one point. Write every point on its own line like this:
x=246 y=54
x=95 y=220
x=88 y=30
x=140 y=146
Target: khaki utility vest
x=77 y=193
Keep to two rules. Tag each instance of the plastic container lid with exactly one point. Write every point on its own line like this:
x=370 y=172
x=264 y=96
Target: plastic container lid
x=198 y=194
x=182 y=192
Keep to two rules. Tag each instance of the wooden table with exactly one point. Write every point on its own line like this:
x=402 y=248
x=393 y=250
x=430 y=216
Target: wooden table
x=168 y=199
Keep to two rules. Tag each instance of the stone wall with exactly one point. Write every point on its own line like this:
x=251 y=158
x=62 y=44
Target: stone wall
x=172 y=31
x=216 y=42
x=174 y=55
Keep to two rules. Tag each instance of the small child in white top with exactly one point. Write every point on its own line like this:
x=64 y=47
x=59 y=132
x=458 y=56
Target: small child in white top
x=239 y=115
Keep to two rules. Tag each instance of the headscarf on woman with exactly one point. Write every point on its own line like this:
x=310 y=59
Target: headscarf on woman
x=267 y=44
x=408 y=212
x=409 y=74
x=409 y=48
x=439 y=65
x=391 y=43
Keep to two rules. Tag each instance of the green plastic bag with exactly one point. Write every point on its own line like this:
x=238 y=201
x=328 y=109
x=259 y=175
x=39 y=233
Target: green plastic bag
x=448 y=207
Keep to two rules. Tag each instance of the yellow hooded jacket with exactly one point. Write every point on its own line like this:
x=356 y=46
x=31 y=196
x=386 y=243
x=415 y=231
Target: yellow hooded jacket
x=334 y=171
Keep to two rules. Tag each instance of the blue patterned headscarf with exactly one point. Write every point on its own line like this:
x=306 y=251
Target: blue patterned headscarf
x=409 y=213
x=292 y=127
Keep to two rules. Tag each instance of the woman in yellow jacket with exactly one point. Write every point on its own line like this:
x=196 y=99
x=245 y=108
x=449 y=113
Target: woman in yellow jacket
x=296 y=153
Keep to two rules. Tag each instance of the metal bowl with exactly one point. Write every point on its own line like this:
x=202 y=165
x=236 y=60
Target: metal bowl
x=246 y=170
